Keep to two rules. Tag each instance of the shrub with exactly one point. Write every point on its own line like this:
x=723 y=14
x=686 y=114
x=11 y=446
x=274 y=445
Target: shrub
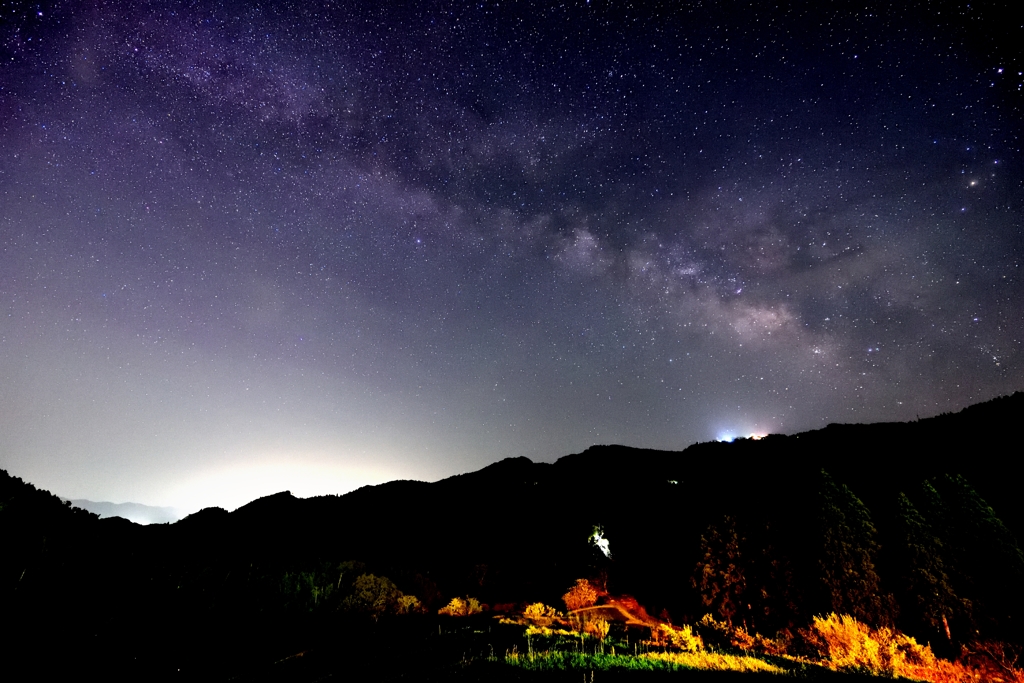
x=993 y=660
x=714 y=633
x=461 y=607
x=777 y=646
x=539 y=610
x=721 y=634
x=847 y=644
x=681 y=638
x=597 y=627
x=409 y=604
x=579 y=596
x=373 y=596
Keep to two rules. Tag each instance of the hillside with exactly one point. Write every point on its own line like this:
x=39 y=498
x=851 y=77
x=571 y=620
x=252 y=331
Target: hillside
x=518 y=531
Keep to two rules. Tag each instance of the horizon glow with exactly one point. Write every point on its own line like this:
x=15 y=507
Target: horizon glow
x=247 y=247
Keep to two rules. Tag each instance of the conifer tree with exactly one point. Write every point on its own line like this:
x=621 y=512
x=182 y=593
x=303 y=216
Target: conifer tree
x=927 y=590
x=848 y=553
x=719 y=575
x=985 y=562
x=772 y=591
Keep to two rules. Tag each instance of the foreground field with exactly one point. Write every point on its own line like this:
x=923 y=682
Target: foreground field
x=483 y=648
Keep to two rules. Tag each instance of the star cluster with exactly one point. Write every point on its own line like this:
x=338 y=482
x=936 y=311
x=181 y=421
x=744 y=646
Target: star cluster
x=317 y=245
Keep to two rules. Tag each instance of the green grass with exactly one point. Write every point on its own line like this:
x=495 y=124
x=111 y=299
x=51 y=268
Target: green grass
x=557 y=660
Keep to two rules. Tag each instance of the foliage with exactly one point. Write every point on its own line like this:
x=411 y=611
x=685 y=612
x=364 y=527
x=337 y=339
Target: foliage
x=581 y=595
x=681 y=638
x=409 y=604
x=374 y=596
x=982 y=555
x=849 y=549
x=650 y=661
x=837 y=642
x=461 y=607
x=597 y=627
x=549 y=632
x=719 y=575
x=845 y=644
x=720 y=634
x=772 y=591
x=926 y=588
x=539 y=610
x=713 y=661
x=994 y=661
x=310 y=589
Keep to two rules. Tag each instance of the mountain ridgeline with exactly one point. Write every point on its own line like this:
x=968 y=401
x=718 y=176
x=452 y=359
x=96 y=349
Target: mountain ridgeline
x=907 y=524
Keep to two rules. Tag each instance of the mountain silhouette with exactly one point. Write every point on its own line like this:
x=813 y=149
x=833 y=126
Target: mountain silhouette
x=518 y=531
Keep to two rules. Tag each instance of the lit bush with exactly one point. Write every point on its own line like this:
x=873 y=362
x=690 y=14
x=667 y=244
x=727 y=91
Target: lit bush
x=461 y=607
x=597 y=628
x=409 y=604
x=712 y=661
x=539 y=610
x=579 y=596
x=845 y=644
x=681 y=638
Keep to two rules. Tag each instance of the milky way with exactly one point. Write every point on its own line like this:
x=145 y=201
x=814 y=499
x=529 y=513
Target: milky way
x=314 y=246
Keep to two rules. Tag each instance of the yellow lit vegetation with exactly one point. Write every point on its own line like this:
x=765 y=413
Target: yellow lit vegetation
x=539 y=611
x=461 y=607
x=584 y=639
x=845 y=644
x=580 y=595
x=678 y=638
x=713 y=661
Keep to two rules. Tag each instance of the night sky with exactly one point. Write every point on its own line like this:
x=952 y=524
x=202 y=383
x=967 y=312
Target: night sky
x=318 y=245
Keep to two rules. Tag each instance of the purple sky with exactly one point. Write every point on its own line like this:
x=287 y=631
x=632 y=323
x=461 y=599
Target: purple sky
x=321 y=245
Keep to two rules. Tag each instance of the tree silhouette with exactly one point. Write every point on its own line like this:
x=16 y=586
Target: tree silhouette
x=926 y=588
x=772 y=592
x=848 y=552
x=986 y=564
x=719 y=575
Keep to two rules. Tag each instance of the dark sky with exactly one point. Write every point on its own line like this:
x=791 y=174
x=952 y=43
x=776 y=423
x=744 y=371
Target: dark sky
x=316 y=245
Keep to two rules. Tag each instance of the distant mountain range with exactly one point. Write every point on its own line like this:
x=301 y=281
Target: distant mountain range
x=133 y=512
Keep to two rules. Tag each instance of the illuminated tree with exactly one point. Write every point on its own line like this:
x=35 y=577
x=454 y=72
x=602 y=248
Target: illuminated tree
x=409 y=604
x=719 y=575
x=580 y=595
